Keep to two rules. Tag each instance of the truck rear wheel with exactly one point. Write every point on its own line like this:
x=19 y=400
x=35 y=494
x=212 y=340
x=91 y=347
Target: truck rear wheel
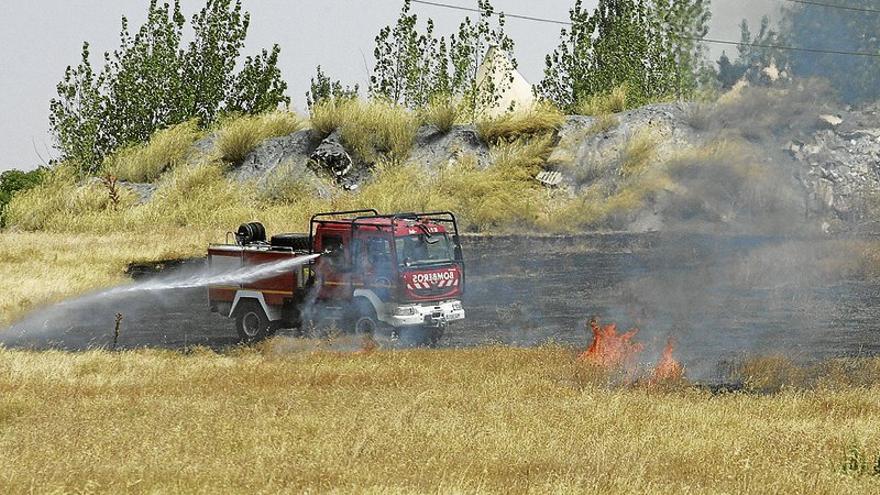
x=251 y=322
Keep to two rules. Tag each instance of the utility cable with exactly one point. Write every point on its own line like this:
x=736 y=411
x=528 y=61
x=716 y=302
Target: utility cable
x=831 y=6
x=691 y=38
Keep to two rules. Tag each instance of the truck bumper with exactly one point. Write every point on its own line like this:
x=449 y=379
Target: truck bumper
x=431 y=315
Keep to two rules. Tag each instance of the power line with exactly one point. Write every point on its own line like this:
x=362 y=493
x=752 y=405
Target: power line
x=691 y=38
x=838 y=7
x=512 y=16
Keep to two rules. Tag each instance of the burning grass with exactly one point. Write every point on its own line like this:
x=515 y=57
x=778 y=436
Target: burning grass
x=282 y=419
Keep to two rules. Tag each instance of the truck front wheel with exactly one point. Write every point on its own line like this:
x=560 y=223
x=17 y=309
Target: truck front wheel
x=251 y=322
x=365 y=320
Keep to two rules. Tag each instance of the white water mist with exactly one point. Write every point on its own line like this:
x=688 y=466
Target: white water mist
x=137 y=300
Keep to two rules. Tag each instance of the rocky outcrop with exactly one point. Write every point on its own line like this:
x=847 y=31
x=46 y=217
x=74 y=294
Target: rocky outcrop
x=293 y=150
x=433 y=149
x=832 y=156
x=842 y=163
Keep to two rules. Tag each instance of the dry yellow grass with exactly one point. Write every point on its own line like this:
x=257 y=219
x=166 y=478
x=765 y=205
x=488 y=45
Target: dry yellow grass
x=614 y=101
x=146 y=162
x=40 y=268
x=541 y=118
x=239 y=136
x=374 y=130
x=502 y=420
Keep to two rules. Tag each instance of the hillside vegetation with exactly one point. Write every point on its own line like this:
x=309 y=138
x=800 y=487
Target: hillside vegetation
x=188 y=181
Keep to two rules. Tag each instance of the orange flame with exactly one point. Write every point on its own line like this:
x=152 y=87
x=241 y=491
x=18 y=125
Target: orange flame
x=610 y=349
x=668 y=368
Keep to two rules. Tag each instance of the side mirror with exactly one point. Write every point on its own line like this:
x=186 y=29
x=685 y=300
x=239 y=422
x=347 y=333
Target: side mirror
x=457 y=253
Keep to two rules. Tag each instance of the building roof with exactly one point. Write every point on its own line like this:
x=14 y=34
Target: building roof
x=498 y=71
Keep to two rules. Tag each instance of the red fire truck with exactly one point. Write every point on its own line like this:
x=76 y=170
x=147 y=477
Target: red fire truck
x=374 y=272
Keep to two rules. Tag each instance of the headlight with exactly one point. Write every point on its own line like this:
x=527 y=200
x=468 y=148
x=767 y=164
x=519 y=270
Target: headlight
x=405 y=311
x=456 y=306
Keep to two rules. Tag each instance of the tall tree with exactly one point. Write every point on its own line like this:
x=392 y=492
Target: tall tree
x=650 y=46
x=405 y=61
x=468 y=47
x=853 y=77
x=755 y=53
x=151 y=81
x=413 y=66
x=323 y=88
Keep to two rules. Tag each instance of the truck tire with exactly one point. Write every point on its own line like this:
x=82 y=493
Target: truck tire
x=298 y=242
x=251 y=322
x=364 y=320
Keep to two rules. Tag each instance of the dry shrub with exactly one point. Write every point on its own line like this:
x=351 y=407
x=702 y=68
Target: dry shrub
x=290 y=183
x=373 y=129
x=505 y=194
x=758 y=113
x=541 y=118
x=146 y=162
x=396 y=187
x=638 y=153
x=604 y=123
x=614 y=101
x=62 y=202
x=238 y=136
x=442 y=113
x=200 y=196
x=699 y=116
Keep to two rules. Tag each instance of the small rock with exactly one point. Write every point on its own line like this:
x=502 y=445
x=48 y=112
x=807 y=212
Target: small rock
x=830 y=120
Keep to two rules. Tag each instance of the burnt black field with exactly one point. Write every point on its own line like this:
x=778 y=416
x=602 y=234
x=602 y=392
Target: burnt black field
x=720 y=297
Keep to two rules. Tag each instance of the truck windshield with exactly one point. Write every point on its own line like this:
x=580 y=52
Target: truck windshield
x=420 y=249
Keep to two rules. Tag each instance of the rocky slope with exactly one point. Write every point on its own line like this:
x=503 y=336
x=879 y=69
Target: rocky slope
x=825 y=163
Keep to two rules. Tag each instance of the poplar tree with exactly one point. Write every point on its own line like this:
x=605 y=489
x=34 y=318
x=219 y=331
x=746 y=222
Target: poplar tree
x=153 y=81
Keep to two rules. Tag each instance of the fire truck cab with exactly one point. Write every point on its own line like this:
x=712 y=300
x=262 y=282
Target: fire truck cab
x=374 y=272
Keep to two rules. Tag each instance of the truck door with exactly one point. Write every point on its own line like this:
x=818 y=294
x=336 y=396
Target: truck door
x=332 y=269
x=374 y=260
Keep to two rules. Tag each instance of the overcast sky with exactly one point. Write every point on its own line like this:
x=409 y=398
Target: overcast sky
x=39 y=38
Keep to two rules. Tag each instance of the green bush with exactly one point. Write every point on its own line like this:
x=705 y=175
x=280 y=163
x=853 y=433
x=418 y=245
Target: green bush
x=14 y=181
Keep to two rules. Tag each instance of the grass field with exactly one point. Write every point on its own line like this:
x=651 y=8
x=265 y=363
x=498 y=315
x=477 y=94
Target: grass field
x=292 y=417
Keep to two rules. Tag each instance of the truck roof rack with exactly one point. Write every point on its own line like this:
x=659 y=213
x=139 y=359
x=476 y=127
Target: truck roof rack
x=316 y=216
